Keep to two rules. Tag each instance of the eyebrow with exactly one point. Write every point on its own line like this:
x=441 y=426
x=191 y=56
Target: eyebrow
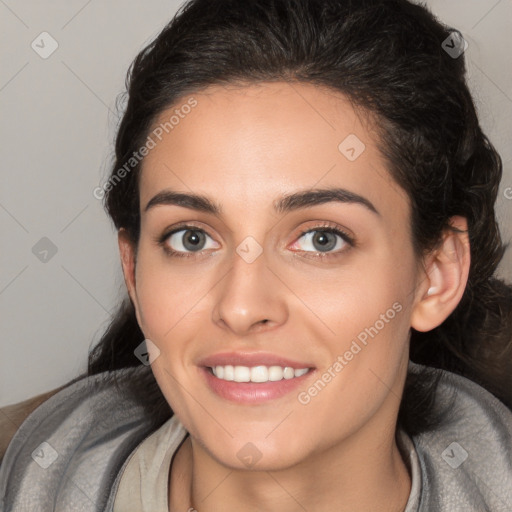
x=285 y=204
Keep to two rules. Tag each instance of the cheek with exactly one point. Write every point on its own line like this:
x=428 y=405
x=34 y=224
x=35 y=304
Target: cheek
x=166 y=294
x=368 y=312
x=357 y=295
x=154 y=298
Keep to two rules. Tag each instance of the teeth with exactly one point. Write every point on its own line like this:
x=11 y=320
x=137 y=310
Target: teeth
x=257 y=373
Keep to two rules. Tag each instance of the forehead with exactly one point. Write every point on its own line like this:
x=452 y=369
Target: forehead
x=249 y=144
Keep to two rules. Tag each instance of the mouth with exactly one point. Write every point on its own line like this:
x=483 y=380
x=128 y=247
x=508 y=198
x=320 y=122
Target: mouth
x=253 y=378
x=258 y=374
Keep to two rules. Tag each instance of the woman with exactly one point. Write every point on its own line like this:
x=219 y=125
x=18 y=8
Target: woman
x=304 y=202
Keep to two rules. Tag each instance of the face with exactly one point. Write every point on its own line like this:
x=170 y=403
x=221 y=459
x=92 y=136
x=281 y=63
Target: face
x=273 y=271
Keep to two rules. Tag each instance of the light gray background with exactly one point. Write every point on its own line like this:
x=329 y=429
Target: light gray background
x=58 y=121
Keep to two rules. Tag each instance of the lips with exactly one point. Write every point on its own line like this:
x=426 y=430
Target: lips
x=252 y=393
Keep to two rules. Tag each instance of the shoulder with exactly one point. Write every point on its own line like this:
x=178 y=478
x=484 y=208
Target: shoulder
x=466 y=462
x=12 y=416
x=81 y=434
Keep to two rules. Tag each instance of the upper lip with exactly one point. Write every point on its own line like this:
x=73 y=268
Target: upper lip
x=250 y=359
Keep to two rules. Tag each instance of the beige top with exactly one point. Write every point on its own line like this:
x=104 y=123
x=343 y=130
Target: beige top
x=144 y=483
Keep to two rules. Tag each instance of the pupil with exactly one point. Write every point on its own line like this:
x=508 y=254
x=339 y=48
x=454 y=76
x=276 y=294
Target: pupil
x=323 y=240
x=192 y=238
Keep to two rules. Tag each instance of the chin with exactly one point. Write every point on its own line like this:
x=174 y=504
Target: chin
x=254 y=456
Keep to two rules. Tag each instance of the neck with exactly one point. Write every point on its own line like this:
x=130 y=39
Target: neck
x=365 y=472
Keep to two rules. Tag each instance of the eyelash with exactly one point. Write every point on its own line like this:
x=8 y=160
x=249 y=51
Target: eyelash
x=325 y=228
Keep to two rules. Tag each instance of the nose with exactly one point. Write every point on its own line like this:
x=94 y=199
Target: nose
x=250 y=297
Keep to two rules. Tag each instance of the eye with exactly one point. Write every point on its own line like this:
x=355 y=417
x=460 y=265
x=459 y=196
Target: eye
x=187 y=241
x=323 y=240
x=182 y=241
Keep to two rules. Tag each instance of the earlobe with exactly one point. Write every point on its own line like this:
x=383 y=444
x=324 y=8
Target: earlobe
x=446 y=273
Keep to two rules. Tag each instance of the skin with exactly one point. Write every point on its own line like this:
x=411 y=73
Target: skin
x=244 y=147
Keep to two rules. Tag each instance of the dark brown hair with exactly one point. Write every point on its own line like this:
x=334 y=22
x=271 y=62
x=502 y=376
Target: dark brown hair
x=387 y=57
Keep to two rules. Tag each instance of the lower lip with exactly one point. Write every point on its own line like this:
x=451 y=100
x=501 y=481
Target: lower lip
x=252 y=392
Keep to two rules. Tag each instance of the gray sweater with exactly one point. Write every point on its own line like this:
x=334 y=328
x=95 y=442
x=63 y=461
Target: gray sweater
x=70 y=453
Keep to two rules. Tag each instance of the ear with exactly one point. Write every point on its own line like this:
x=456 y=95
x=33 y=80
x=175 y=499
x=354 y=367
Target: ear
x=127 y=252
x=446 y=274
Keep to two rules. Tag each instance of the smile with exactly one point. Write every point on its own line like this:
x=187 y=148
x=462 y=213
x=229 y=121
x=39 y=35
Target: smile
x=253 y=385
x=258 y=374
